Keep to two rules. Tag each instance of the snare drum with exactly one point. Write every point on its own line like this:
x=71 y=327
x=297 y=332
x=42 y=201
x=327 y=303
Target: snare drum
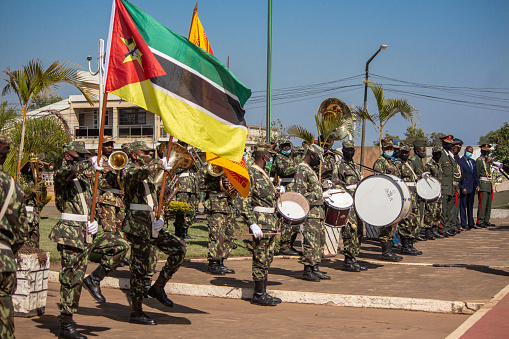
x=337 y=208
x=293 y=207
x=429 y=188
x=382 y=200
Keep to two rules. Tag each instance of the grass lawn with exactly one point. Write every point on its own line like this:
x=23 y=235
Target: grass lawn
x=196 y=247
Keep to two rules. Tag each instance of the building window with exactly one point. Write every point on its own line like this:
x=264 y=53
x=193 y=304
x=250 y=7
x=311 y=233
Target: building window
x=132 y=116
x=81 y=119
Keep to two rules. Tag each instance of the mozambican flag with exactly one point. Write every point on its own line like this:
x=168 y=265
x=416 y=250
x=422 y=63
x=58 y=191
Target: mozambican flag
x=199 y=100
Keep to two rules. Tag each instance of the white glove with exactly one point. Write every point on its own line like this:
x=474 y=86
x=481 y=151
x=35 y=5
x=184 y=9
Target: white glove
x=281 y=189
x=166 y=164
x=257 y=231
x=425 y=174
x=92 y=227
x=326 y=195
x=98 y=167
x=158 y=224
x=327 y=184
x=498 y=164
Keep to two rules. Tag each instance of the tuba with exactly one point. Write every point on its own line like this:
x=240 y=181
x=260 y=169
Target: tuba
x=334 y=107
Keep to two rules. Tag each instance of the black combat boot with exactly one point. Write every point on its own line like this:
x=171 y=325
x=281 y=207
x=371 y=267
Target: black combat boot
x=215 y=268
x=319 y=274
x=309 y=274
x=124 y=262
x=67 y=329
x=411 y=244
x=429 y=234
x=147 y=283
x=349 y=265
x=436 y=232
x=157 y=291
x=260 y=296
x=387 y=253
x=224 y=268
x=405 y=246
x=276 y=299
x=288 y=251
x=137 y=315
x=93 y=284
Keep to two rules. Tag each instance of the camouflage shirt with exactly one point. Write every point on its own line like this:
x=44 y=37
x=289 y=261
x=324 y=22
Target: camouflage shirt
x=212 y=186
x=108 y=179
x=416 y=163
x=346 y=173
x=67 y=200
x=405 y=170
x=261 y=194
x=328 y=164
x=13 y=224
x=188 y=180
x=433 y=167
x=284 y=166
x=386 y=166
x=139 y=222
x=308 y=184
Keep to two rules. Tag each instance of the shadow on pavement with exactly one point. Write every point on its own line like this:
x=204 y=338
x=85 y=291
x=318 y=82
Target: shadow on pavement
x=489 y=270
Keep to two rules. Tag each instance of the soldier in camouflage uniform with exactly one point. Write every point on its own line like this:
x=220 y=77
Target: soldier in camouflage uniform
x=384 y=164
x=219 y=209
x=12 y=226
x=409 y=226
x=258 y=211
x=140 y=223
x=74 y=183
x=347 y=175
x=308 y=184
x=284 y=168
x=33 y=211
x=417 y=166
x=433 y=209
x=187 y=192
x=329 y=159
x=451 y=175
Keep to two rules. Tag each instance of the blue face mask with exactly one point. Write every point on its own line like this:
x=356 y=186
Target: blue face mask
x=468 y=155
x=388 y=154
x=245 y=153
x=270 y=161
x=286 y=152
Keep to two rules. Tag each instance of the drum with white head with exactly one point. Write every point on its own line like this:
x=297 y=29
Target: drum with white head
x=337 y=207
x=293 y=207
x=429 y=188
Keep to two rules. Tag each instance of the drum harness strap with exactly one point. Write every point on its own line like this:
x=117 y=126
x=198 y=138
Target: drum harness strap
x=261 y=209
x=318 y=202
x=77 y=217
x=411 y=184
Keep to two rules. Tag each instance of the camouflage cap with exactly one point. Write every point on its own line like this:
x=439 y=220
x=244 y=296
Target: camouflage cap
x=419 y=143
x=139 y=145
x=315 y=149
x=78 y=146
x=404 y=147
x=348 y=144
x=437 y=148
x=107 y=138
x=284 y=141
x=126 y=147
x=262 y=148
x=387 y=142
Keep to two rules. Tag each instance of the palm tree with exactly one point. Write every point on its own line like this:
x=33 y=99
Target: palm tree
x=387 y=109
x=34 y=80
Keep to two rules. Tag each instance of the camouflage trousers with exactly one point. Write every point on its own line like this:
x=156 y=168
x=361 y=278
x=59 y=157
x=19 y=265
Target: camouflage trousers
x=432 y=212
x=422 y=214
x=221 y=233
x=288 y=231
x=263 y=254
x=7 y=288
x=112 y=249
x=314 y=240
x=409 y=226
x=184 y=221
x=352 y=235
x=387 y=232
x=144 y=259
x=33 y=236
x=111 y=218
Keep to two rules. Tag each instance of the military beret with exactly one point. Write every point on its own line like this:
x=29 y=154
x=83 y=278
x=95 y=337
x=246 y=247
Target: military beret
x=387 y=142
x=315 y=149
x=78 y=146
x=448 y=138
x=420 y=143
x=404 y=147
x=486 y=147
x=437 y=148
x=139 y=145
x=348 y=144
x=458 y=142
x=263 y=148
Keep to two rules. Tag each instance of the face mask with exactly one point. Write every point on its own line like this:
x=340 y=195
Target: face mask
x=447 y=147
x=388 y=154
x=271 y=160
x=468 y=155
x=421 y=155
x=437 y=156
x=77 y=159
x=348 y=155
x=244 y=154
x=144 y=160
x=403 y=157
x=286 y=152
x=485 y=153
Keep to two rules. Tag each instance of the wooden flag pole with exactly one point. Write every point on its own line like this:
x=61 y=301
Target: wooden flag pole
x=163 y=184
x=88 y=237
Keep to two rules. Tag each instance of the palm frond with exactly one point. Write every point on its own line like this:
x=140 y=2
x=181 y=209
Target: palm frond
x=302 y=133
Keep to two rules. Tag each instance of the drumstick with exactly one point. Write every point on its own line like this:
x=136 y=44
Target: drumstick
x=279 y=184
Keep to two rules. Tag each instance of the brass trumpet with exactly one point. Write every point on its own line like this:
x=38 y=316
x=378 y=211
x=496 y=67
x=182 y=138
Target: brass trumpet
x=118 y=160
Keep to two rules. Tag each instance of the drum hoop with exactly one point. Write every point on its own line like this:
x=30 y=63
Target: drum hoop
x=293 y=219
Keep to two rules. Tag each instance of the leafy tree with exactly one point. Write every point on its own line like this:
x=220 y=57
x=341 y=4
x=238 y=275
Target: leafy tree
x=500 y=141
x=45 y=100
x=414 y=133
x=387 y=135
x=32 y=81
x=485 y=139
x=387 y=109
x=7 y=115
x=434 y=138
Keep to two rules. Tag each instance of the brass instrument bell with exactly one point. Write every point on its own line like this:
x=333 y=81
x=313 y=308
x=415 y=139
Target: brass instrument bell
x=118 y=160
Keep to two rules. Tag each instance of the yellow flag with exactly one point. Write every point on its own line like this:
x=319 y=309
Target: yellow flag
x=196 y=33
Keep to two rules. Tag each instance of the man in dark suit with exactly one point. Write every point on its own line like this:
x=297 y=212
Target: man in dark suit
x=468 y=186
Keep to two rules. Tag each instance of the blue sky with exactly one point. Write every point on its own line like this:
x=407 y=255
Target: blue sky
x=454 y=43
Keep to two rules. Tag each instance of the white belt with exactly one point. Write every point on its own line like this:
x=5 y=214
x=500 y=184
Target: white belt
x=351 y=187
x=263 y=209
x=410 y=184
x=74 y=217
x=484 y=179
x=185 y=175
x=221 y=194
x=5 y=246
x=287 y=180
x=112 y=190
x=30 y=208
x=140 y=207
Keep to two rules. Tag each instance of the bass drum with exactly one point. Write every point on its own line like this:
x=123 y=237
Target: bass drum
x=429 y=188
x=382 y=200
x=293 y=207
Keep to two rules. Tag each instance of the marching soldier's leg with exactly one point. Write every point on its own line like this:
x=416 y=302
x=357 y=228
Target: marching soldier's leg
x=286 y=242
x=385 y=238
x=7 y=288
x=487 y=214
x=312 y=249
x=217 y=242
x=351 y=240
x=262 y=258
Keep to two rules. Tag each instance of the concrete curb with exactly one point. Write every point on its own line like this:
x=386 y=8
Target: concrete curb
x=410 y=304
x=478 y=315
x=496 y=213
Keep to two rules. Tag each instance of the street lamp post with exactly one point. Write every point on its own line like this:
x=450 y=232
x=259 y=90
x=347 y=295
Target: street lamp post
x=100 y=70
x=382 y=47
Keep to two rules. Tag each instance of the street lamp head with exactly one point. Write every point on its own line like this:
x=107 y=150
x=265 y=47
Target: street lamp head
x=383 y=47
